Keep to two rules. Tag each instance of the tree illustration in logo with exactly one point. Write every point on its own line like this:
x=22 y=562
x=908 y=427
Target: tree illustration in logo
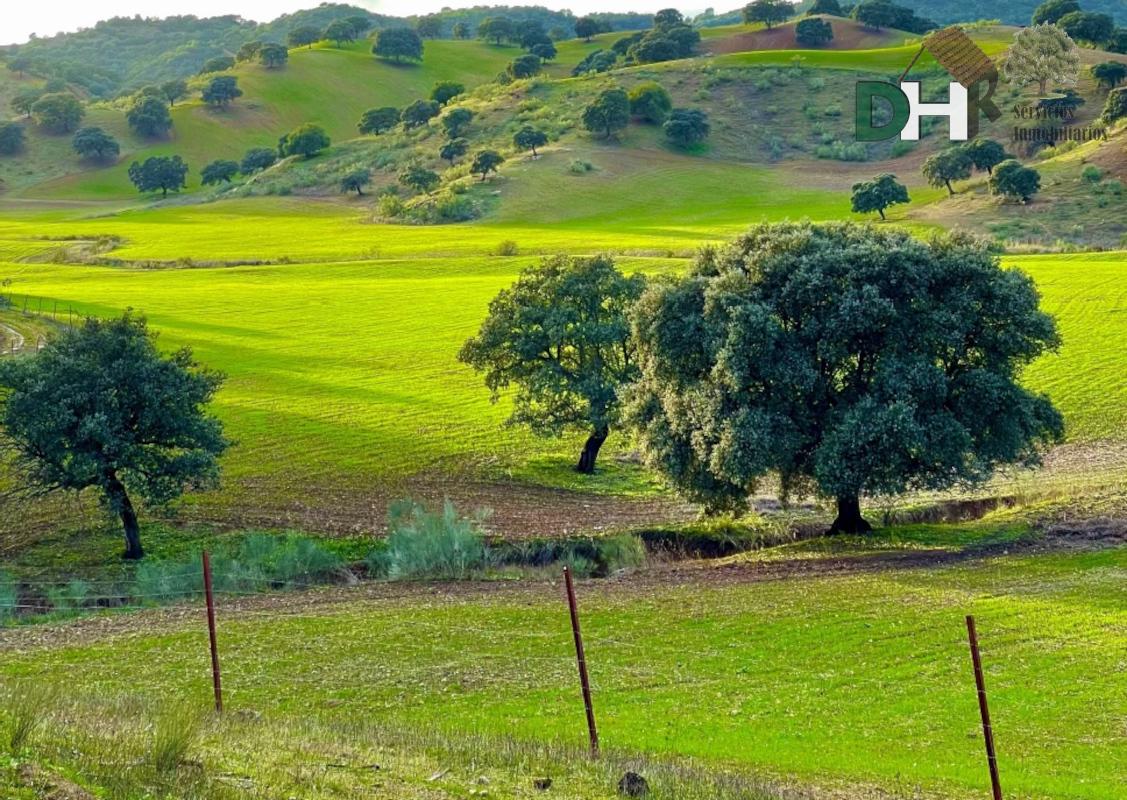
x=1040 y=54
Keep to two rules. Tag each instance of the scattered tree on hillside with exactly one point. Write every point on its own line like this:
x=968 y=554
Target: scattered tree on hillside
x=1116 y=106
x=219 y=171
x=545 y=51
x=813 y=32
x=668 y=17
x=561 y=336
x=429 y=27
x=528 y=138
x=100 y=407
x=769 y=12
x=12 y=138
x=248 y=51
x=1051 y=11
x=419 y=113
x=273 y=55
x=586 y=27
x=1039 y=55
x=221 y=90
x=455 y=121
x=609 y=112
x=305 y=140
x=1095 y=29
x=669 y=38
x=95 y=144
x=257 y=159
x=149 y=117
x=952 y=164
x=830 y=7
x=1012 y=179
x=419 y=178
x=360 y=24
x=59 y=112
x=557 y=33
x=530 y=32
x=878 y=194
x=173 y=90
x=445 y=91
x=339 y=32
x=846 y=359
x=355 y=181
x=398 y=44
x=485 y=162
x=686 y=127
x=523 y=66
x=461 y=30
x=305 y=36
x=879 y=14
x=23 y=100
x=1118 y=42
x=985 y=153
x=453 y=149
x=496 y=29
x=596 y=61
x=378 y=120
x=650 y=102
x=166 y=173
x=20 y=65
x=1110 y=73
x=217 y=64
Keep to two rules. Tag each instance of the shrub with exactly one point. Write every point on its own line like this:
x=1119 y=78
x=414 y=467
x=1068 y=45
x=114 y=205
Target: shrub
x=580 y=167
x=507 y=248
x=432 y=544
x=1092 y=174
x=9 y=597
x=389 y=206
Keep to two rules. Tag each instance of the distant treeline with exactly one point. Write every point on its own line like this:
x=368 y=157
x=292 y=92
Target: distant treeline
x=120 y=55
x=1011 y=12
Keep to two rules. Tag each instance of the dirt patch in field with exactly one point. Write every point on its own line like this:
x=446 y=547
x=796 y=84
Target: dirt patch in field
x=848 y=35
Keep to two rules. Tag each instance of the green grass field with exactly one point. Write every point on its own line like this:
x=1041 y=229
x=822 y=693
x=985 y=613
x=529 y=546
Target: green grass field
x=837 y=680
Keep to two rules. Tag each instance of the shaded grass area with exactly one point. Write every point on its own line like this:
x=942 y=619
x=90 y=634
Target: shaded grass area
x=855 y=677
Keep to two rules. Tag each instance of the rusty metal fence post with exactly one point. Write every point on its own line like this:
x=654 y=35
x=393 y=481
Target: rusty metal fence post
x=215 y=680
x=592 y=732
x=984 y=709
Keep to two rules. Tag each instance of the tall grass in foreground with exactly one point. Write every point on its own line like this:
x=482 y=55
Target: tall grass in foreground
x=27 y=707
x=175 y=733
x=430 y=544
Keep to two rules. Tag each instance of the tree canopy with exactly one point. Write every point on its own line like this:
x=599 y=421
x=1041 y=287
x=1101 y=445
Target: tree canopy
x=1013 y=180
x=609 y=112
x=445 y=91
x=453 y=149
x=219 y=171
x=221 y=90
x=878 y=194
x=1116 y=106
x=845 y=359
x=100 y=407
x=339 y=32
x=217 y=64
x=378 y=120
x=355 y=181
x=420 y=113
x=305 y=36
x=148 y=116
x=523 y=66
x=1095 y=29
x=456 y=120
x=398 y=44
x=95 y=144
x=273 y=55
x=419 y=178
x=813 y=32
x=1110 y=73
x=561 y=336
x=484 y=162
x=173 y=90
x=305 y=140
x=257 y=159
x=985 y=153
x=529 y=138
x=1041 y=54
x=769 y=12
x=686 y=127
x=12 y=138
x=650 y=102
x=57 y=112
x=951 y=164
x=166 y=173
x=1052 y=10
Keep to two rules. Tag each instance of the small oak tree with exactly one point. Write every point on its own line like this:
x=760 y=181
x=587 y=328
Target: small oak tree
x=148 y=116
x=650 y=102
x=1041 y=54
x=985 y=153
x=219 y=171
x=686 y=127
x=609 y=112
x=257 y=159
x=58 y=112
x=398 y=44
x=561 y=336
x=221 y=90
x=528 y=138
x=878 y=194
x=100 y=407
x=378 y=120
x=453 y=149
x=95 y=144
x=166 y=173
x=305 y=140
x=355 y=181
x=952 y=164
x=484 y=162
x=1012 y=179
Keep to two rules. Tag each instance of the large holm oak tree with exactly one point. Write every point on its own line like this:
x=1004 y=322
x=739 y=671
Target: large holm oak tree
x=561 y=335
x=100 y=407
x=842 y=358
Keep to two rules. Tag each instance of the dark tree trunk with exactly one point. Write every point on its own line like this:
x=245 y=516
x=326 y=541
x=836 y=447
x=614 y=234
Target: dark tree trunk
x=849 y=519
x=881 y=212
x=590 y=452
x=121 y=503
x=950 y=190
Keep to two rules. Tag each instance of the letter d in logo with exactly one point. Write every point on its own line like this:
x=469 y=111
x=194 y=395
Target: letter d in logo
x=867 y=93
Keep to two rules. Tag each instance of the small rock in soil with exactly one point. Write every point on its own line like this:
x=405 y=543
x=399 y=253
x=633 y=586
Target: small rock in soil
x=633 y=785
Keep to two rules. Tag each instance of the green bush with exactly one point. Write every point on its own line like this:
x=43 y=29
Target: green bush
x=587 y=557
x=1092 y=174
x=580 y=167
x=431 y=544
x=9 y=597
